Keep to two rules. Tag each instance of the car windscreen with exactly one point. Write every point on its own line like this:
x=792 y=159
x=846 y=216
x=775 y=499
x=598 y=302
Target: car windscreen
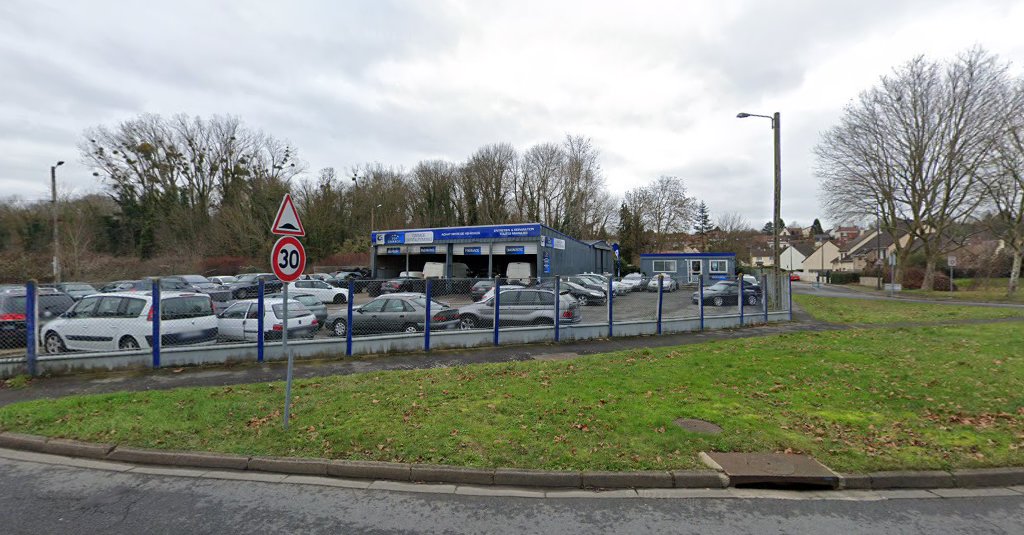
x=422 y=303
x=307 y=300
x=194 y=279
x=294 y=311
x=79 y=288
x=721 y=286
x=174 y=308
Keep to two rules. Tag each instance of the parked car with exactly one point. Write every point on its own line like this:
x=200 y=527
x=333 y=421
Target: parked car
x=794 y=276
x=584 y=296
x=113 y=286
x=241 y=320
x=403 y=284
x=223 y=280
x=124 y=320
x=311 y=302
x=50 y=305
x=247 y=286
x=76 y=290
x=323 y=291
x=587 y=282
x=490 y=291
x=170 y=284
x=723 y=293
x=668 y=284
x=359 y=280
x=394 y=313
x=636 y=281
x=480 y=288
x=521 y=306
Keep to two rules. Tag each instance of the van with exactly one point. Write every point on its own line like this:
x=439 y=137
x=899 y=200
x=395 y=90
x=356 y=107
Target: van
x=435 y=270
x=519 y=272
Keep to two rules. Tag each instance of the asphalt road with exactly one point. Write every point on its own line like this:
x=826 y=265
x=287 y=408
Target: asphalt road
x=44 y=498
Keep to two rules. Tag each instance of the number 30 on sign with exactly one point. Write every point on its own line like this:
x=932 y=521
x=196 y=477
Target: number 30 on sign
x=288 y=259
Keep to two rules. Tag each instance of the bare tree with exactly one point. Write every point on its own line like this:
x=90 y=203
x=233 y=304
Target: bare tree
x=912 y=148
x=1004 y=180
x=433 y=196
x=669 y=210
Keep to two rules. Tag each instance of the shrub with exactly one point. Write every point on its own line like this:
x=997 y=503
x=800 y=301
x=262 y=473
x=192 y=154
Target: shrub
x=226 y=265
x=913 y=278
x=844 y=277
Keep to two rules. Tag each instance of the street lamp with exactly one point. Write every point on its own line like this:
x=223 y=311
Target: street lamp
x=56 y=234
x=373 y=210
x=777 y=127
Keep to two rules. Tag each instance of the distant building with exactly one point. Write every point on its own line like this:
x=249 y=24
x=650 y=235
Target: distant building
x=792 y=257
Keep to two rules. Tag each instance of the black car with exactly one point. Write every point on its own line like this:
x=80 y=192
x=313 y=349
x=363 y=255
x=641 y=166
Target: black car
x=12 y=313
x=247 y=286
x=480 y=288
x=169 y=284
x=724 y=293
x=587 y=283
x=76 y=290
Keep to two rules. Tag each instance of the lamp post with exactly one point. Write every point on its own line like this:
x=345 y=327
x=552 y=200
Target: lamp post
x=776 y=127
x=373 y=210
x=56 y=233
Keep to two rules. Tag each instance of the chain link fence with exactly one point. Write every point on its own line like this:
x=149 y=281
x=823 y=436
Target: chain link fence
x=152 y=315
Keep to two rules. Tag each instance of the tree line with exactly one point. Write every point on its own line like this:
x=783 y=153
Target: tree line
x=934 y=147
x=192 y=187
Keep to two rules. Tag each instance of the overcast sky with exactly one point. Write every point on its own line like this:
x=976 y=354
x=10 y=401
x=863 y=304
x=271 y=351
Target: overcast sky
x=656 y=85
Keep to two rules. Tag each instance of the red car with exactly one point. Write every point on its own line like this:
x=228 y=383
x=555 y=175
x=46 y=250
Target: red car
x=794 y=276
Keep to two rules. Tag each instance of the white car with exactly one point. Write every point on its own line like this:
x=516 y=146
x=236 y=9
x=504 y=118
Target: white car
x=321 y=290
x=241 y=320
x=668 y=284
x=634 y=281
x=124 y=321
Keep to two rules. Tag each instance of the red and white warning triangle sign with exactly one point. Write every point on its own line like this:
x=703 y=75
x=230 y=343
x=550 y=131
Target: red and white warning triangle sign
x=287 y=222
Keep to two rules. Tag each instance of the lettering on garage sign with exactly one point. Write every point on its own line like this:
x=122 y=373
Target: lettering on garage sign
x=471 y=250
x=428 y=250
x=394 y=250
x=515 y=249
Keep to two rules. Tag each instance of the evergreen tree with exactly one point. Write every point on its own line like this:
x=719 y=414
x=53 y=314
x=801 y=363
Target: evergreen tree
x=768 y=229
x=816 y=229
x=626 y=233
x=703 y=225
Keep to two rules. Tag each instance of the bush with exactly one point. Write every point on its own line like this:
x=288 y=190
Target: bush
x=913 y=278
x=226 y=265
x=844 y=277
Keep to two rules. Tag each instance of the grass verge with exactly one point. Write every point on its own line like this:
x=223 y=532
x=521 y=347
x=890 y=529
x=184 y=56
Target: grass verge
x=859 y=400
x=881 y=312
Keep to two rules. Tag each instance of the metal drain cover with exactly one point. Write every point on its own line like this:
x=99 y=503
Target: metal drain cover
x=698 y=426
x=746 y=469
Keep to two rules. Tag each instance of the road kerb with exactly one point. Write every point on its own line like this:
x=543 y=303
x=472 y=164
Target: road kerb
x=178 y=458
x=289 y=465
x=627 y=480
x=20 y=441
x=988 y=477
x=684 y=479
x=537 y=478
x=905 y=479
x=75 y=448
x=451 y=474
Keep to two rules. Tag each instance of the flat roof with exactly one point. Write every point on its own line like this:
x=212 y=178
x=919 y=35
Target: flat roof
x=469 y=233
x=685 y=255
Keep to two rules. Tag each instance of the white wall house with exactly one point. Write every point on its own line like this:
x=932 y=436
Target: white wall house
x=792 y=257
x=821 y=259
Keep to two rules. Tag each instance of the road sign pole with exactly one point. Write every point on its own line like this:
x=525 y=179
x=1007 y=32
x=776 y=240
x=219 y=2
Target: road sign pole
x=284 y=347
x=261 y=290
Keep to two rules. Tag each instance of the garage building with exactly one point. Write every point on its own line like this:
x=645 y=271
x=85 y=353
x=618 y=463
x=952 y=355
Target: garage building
x=487 y=250
x=688 y=268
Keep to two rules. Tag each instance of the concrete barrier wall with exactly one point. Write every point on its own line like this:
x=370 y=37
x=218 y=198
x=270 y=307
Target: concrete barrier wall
x=335 y=347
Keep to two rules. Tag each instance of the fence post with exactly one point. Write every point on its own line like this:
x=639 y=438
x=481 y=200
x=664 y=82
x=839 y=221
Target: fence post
x=700 y=300
x=740 y=298
x=155 y=310
x=260 y=311
x=790 y=296
x=611 y=307
x=558 y=306
x=426 y=320
x=348 y=318
x=764 y=296
x=497 y=307
x=31 y=323
x=661 y=279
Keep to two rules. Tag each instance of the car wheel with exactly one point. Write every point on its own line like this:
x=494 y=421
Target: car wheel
x=409 y=328
x=339 y=299
x=751 y=299
x=128 y=344
x=467 y=322
x=53 y=344
x=718 y=301
x=583 y=300
x=338 y=328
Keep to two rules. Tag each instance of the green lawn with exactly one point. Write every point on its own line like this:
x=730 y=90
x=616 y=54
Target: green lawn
x=881 y=312
x=982 y=290
x=859 y=400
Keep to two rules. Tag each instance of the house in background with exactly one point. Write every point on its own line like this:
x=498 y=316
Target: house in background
x=843 y=234
x=821 y=259
x=761 y=256
x=792 y=257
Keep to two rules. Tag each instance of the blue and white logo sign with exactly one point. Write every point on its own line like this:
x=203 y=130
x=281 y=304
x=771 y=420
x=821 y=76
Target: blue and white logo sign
x=394 y=250
x=547 y=263
x=615 y=247
x=471 y=250
x=428 y=250
x=515 y=249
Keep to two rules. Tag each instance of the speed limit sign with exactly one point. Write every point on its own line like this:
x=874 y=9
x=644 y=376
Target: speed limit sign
x=288 y=258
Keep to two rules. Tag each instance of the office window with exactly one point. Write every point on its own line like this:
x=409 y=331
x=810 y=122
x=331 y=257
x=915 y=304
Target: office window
x=719 y=266
x=664 y=266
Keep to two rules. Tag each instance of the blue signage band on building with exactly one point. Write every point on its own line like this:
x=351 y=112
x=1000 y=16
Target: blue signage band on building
x=455 y=233
x=428 y=250
x=471 y=250
x=515 y=249
x=394 y=250
x=547 y=263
